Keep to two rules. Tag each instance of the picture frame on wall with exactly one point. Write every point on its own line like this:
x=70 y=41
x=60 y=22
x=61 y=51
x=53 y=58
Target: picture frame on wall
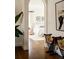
x=59 y=15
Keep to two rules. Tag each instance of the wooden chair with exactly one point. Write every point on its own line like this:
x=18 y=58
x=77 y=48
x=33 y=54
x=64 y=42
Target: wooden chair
x=48 y=39
x=60 y=42
x=61 y=46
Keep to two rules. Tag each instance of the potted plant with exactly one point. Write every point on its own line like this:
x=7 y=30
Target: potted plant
x=17 y=31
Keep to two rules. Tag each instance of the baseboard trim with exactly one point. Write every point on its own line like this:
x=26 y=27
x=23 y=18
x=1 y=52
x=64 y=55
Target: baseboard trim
x=18 y=46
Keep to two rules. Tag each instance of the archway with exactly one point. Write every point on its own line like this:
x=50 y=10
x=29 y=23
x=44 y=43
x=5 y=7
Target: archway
x=36 y=21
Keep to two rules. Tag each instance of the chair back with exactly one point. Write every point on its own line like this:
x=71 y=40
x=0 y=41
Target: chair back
x=48 y=38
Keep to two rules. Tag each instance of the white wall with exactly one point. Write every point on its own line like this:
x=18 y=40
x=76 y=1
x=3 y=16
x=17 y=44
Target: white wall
x=19 y=41
x=51 y=19
x=18 y=6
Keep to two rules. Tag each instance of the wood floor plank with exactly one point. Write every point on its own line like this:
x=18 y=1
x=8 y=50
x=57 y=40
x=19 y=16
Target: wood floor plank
x=20 y=53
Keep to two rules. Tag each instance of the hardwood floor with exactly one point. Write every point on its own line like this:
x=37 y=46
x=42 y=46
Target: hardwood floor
x=20 y=53
x=36 y=51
